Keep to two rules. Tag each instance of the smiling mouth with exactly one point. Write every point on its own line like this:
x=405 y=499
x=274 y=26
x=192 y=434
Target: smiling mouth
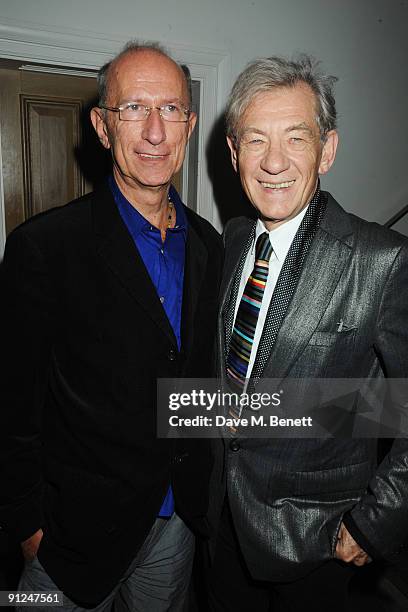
x=283 y=185
x=149 y=156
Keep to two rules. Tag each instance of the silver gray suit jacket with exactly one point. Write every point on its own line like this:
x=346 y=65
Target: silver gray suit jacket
x=289 y=496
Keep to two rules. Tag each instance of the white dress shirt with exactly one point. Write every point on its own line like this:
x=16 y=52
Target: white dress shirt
x=281 y=239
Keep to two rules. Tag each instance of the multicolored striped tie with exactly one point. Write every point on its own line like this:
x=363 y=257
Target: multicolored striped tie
x=243 y=332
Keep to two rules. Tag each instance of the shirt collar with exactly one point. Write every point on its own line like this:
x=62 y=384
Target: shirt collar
x=133 y=217
x=282 y=237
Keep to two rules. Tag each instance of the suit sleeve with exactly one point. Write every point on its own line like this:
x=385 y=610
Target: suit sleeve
x=26 y=309
x=379 y=522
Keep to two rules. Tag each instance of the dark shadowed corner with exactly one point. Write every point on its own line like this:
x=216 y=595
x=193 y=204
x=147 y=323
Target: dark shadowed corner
x=229 y=197
x=94 y=161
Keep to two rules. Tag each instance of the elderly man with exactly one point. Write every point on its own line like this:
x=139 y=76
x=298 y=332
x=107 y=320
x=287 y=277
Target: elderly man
x=309 y=291
x=103 y=297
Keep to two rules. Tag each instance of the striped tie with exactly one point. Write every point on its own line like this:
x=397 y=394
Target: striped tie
x=243 y=332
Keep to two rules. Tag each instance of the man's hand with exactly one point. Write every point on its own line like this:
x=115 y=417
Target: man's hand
x=31 y=545
x=348 y=550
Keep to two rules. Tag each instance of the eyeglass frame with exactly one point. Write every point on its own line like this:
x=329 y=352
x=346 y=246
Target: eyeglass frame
x=148 y=110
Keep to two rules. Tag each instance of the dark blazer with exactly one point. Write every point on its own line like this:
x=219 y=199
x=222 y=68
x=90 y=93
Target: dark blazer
x=86 y=340
x=289 y=496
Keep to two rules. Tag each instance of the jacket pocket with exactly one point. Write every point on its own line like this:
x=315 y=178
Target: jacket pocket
x=306 y=507
x=341 y=479
x=326 y=338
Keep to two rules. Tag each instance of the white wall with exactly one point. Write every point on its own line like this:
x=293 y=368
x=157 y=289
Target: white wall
x=363 y=42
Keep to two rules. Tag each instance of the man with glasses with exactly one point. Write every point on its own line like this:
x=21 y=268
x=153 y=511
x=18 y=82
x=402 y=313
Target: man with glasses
x=103 y=297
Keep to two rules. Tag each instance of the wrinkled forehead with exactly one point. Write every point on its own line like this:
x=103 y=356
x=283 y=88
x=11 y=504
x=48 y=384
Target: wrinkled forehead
x=146 y=71
x=295 y=103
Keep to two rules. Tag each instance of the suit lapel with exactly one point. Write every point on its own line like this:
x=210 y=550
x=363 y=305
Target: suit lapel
x=195 y=263
x=117 y=249
x=326 y=260
x=239 y=243
x=238 y=246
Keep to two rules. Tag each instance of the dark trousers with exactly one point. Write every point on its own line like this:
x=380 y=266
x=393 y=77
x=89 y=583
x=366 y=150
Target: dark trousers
x=231 y=588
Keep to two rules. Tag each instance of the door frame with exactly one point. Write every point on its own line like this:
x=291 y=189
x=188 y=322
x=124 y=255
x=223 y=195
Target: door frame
x=81 y=50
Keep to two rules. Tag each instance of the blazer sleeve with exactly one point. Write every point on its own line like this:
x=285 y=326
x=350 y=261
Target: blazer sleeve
x=27 y=309
x=381 y=517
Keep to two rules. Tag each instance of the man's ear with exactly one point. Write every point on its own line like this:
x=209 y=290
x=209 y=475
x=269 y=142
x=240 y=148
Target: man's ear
x=328 y=151
x=98 y=121
x=234 y=153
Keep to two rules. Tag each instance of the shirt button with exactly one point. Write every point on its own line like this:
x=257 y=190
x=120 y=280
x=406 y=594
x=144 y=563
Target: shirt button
x=162 y=299
x=171 y=355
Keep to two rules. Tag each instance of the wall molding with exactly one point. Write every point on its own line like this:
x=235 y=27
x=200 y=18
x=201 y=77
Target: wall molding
x=83 y=50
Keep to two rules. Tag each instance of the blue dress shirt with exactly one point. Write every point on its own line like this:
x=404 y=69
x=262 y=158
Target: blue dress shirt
x=164 y=262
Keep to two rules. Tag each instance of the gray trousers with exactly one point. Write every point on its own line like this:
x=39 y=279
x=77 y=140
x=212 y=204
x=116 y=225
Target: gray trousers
x=156 y=581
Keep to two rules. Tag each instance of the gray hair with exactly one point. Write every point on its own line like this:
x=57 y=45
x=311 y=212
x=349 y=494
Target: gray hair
x=269 y=73
x=134 y=46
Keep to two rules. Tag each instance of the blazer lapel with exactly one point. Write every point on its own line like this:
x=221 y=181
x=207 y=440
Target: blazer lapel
x=240 y=242
x=195 y=263
x=116 y=247
x=327 y=257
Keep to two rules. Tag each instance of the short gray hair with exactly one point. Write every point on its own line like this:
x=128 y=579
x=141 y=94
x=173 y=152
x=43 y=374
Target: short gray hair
x=266 y=74
x=133 y=46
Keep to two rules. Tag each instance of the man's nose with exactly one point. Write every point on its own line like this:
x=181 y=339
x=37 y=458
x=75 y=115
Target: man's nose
x=275 y=159
x=154 y=129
